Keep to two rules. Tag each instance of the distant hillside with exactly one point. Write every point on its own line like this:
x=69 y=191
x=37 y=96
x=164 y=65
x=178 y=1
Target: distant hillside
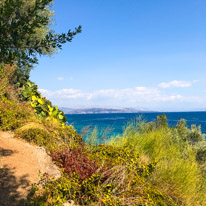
x=100 y=110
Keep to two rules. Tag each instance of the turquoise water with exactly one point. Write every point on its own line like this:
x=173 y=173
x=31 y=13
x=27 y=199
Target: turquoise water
x=116 y=122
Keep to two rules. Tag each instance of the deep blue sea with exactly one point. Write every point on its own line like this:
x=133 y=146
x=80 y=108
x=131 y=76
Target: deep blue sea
x=117 y=122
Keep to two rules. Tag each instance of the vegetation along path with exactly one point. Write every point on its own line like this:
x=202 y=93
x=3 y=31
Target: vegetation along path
x=20 y=166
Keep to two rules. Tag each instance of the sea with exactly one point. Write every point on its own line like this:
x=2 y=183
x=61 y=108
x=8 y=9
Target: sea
x=114 y=123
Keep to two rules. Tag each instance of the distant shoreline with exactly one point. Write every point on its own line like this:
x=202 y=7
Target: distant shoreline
x=113 y=111
x=101 y=111
x=109 y=112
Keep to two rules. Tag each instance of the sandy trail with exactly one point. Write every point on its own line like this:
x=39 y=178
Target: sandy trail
x=20 y=164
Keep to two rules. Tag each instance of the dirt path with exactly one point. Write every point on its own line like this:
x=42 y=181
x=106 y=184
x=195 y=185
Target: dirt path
x=20 y=164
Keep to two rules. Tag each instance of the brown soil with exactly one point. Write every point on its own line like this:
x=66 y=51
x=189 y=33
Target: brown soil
x=20 y=166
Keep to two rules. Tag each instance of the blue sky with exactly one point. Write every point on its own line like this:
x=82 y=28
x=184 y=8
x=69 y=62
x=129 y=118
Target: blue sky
x=142 y=54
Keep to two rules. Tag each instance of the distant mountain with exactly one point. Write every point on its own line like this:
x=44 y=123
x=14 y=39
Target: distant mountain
x=99 y=110
x=66 y=110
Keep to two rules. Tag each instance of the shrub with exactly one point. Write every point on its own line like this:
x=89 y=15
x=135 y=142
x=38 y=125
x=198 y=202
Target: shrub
x=44 y=109
x=53 y=192
x=195 y=135
x=63 y=136
x=89 y=184
x=183 y=134
x=180 y=132
x=35 y=135
x=13 y=115
x=161 y=122
x=201 y=152
x=6 y=73
x=75 y=161
x=28 y=90
x=49 y=134
x=177 y=173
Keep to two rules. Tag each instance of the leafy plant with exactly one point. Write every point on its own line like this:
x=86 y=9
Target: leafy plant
x=177 y=173
x=6 y=73
x=44 y=109
x=28 y=90
x=95 y=182
x=12 y=116
x=201 y=151
x=195 y=135
x=25 y=32
x=35 y=135
x=75 y=161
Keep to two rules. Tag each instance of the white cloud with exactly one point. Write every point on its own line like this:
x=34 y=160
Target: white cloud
x=66 y=78
x=171 y=98
x=62 y=94
x=150 y=98
x=130 y=97
x=195 y=81
x=175 y=83
x=60 y=78
x=131 y=93
x=45 y=92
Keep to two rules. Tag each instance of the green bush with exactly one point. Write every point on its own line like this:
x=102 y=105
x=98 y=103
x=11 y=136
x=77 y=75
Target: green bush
x=54 y=137
x=150 y=164
x=177 y=173
x=124 y=182
x=201 y=151
x=28 y=90
x=13 y=115
x=6 y=73
x=63 y=136
x=195 y=135
x=35 y=135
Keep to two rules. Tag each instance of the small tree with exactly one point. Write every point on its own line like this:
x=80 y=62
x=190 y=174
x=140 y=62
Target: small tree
x=161 y=121
x=25 y=32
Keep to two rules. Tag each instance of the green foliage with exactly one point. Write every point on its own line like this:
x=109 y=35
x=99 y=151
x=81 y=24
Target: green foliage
x=177 y=173
x=183 y=134
x=150 y=164
x=28 y=90
x=195 y=135
x=54 y=192
x=14 y=84
x=44 y=109
x=54 y=139
x=35 y=135
x=50 y=130
x=121 y=179
x=63 y=136
x=180 y=132
x=201 y=151
x=25 y=32
x=50 y=134
x=13 y=115
x=92 y=138
x=161 y=122
x=6 y=73
x=200 y=148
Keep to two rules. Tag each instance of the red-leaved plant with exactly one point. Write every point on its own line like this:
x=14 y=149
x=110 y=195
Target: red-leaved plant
x=75 y=161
